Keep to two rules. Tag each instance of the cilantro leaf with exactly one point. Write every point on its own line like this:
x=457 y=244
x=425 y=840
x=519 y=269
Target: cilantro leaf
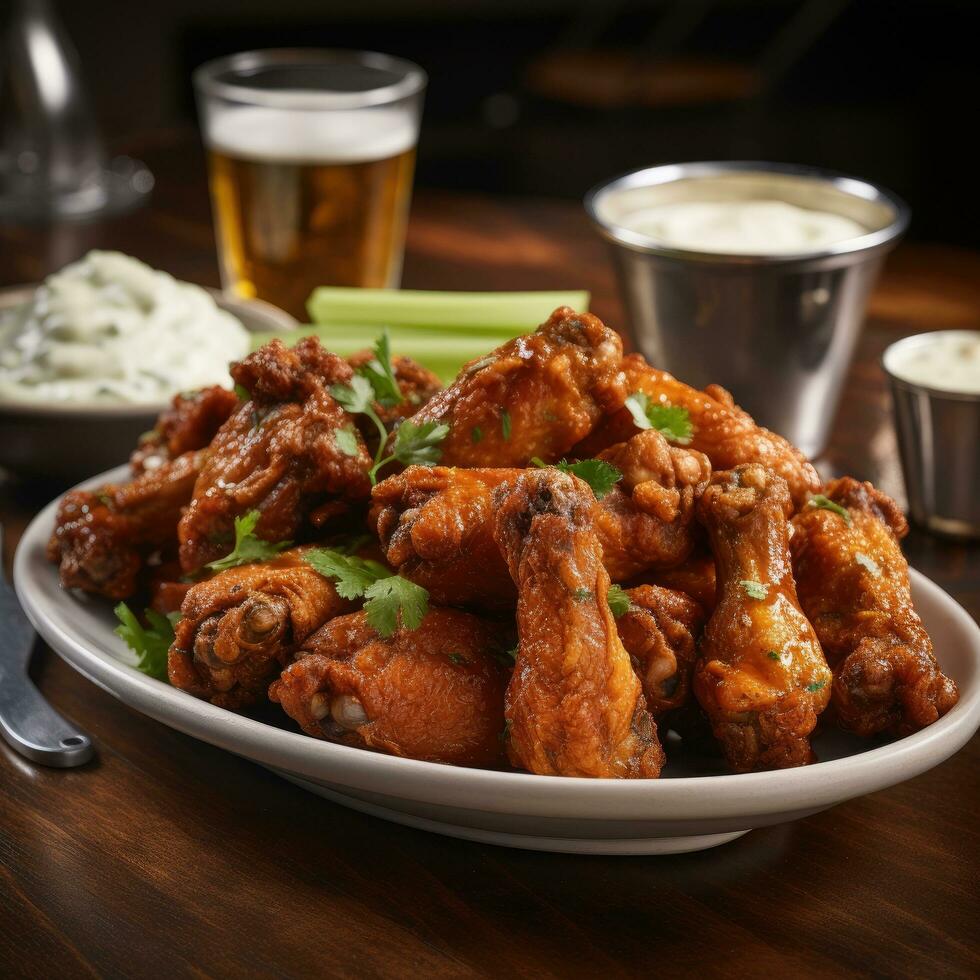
x=619 y=600
x=754 y=590
x=352 y=576
x=671 y=421
x=347 y=441
x=395 y=600
x=816 y=686
x=772 y=655
x=597 y=473
x=505 y=424
x=476 y=434
x=248 y=547
x=243 y=393
x=582 y=595
x=380 y=373
x=818 y=500
x=150 y=643
x=357 y=397
x=419 y=443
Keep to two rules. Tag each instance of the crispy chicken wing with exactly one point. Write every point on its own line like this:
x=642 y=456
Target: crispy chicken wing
x=434 y=693
x=761 y=676
x=278 y=454
x=435 y=523
x=722 y=431
x=853 y=583
x=238 y=629
x=103 y=537
x=190 y=423
x=660 y=631
x=537 y=395
x=574 y=705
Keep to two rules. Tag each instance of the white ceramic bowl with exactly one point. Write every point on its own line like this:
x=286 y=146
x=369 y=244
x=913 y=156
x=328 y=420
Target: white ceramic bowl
x=66 y=441
x=682 y=812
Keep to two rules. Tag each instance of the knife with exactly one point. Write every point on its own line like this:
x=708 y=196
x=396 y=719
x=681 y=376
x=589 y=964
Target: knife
x=27 y=722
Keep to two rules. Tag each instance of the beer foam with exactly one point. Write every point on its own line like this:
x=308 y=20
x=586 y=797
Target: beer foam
x=311 y=136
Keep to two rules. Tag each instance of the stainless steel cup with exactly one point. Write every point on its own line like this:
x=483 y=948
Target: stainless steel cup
x=777 y=330
x=939 y=441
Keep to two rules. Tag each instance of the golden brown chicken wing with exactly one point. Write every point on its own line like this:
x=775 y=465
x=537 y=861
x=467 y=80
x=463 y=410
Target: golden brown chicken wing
x=853 y=583
x=574 y=705
x=279 y=453
x=537 y=395
x=190 y=423
x=660 y=631
x=721 y=430
x=761 y=676
x=238 y=629
x=435 y=523
x=435 y=693
x=103 y=537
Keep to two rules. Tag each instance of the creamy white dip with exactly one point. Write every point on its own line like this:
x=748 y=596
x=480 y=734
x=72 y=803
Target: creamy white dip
x=108 y=328
x=756 y=227
x=948 y=361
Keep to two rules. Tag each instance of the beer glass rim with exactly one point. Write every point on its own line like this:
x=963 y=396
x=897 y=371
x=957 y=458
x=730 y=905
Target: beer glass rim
x=208 y=80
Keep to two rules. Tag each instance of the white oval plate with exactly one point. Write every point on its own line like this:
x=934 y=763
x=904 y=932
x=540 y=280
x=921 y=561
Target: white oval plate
x=681 y=812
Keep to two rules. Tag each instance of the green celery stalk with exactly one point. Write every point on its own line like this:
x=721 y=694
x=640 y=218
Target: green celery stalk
x=437 y=309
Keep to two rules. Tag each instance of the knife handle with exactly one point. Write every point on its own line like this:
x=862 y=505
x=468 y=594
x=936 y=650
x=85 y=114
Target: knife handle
x=34 y=729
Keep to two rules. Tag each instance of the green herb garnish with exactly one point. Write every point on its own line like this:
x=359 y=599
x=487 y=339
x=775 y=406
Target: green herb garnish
x=505 y=424
x=816 y=686
x=352 y=576
x=150 y=643
x=347 y=441
x=582 y=595
x=243 y=393
x=772 y=655
x=671 y=421
x=754 y=590
x=619 y=600
x=381 y=373
x=597 y=473
x=818 y=500
x=476 y=434
x=248 y=548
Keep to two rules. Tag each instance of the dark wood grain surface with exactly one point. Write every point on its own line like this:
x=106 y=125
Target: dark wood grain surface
x=167 y=857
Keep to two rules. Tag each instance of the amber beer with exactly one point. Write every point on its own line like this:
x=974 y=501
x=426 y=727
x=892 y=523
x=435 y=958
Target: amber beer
x=302 y=202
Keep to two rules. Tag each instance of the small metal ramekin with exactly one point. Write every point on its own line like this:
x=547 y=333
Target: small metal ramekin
x=778 y=330
x=939 y=442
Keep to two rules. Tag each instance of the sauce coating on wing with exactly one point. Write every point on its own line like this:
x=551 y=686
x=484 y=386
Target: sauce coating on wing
x=853 y=582
x=574 y=705
x=536 y=395
x=761 y=676
x=435 y=693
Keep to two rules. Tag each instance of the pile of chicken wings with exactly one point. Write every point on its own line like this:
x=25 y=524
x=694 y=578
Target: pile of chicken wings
x=716 y=589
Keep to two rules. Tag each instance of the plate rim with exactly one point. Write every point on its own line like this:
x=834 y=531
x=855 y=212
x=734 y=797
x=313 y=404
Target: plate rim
x=726 y=795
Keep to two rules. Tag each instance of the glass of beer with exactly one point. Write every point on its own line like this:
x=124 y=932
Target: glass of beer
x=311 y=154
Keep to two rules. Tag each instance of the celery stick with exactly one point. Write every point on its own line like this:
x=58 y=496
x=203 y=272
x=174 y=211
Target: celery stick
x=436 y=309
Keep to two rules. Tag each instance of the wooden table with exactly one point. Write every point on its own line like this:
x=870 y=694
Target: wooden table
x=167 y=857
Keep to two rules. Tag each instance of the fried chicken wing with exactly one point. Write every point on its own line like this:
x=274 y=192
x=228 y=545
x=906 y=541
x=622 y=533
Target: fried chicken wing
x=191 y=422
x=727 y=435
x=537 y=395
x=853 y=583
x=278 y=453
x=103 y=537
x=694 y=577
x=647 y=519
x=435 y=523
x=761 y=676
x=574 y=705
x=435 y=693
x=238 y=629
x=660 y=631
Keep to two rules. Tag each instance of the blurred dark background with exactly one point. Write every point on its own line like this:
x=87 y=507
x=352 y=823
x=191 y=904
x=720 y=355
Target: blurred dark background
x=547 y=97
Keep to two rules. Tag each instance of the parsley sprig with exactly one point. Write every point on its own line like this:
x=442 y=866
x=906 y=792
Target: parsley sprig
x=671 y=421
x=597 y=473
x=390 y=599
x=376 y=382
x=150 y=643
x=619 y=600
x=248 y=548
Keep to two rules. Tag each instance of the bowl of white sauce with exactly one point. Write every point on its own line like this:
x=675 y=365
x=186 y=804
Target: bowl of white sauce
x=91 y=356
x=751 y=275
x=935 y=384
